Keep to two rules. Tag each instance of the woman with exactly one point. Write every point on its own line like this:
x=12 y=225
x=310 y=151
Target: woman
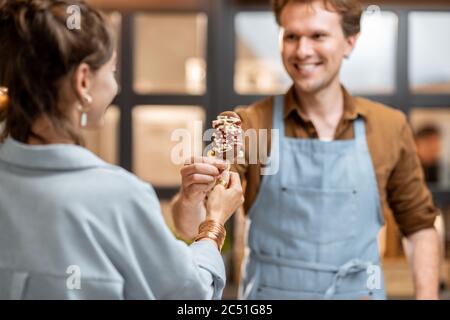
x=71 y=225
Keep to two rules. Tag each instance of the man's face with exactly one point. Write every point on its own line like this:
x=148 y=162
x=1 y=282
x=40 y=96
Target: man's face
x=429 y=149
x=313 y=45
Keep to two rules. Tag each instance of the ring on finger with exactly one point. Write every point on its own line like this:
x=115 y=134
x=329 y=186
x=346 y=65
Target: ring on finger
x=223 y=182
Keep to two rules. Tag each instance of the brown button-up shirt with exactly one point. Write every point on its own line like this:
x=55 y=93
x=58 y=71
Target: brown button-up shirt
x=391 y=144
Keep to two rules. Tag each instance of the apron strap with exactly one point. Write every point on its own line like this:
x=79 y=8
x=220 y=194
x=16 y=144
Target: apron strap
x=272 y=163
x=278 y=108
x=351 y=267
x=359 y=130
x=348 y=268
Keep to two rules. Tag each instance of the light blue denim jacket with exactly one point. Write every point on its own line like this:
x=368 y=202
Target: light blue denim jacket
x=75 y=227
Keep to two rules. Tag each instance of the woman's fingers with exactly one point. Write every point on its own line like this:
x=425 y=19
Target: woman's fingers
x=219 y=164
x=235 y=185
x=235 y=181
x=210 y=186
x=224 y=178
x=198 y=179
x=200 y=168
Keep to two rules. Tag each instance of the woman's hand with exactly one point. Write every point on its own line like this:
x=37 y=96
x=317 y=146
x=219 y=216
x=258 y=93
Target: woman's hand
x=222 y=203
x=198 y=177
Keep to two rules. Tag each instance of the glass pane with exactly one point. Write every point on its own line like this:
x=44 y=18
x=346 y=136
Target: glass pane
x=104 y=142
x=170 y=53
x=429 y=52
x=432 y=128
x=258 y=68
x=371 y=66
x=155 y=156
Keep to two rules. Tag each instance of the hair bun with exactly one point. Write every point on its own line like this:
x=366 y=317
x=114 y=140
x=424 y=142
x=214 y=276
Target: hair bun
x=12 y=7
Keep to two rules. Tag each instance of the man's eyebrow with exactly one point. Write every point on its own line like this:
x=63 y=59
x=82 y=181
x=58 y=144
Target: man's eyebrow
x=321 y=31
x=313 y=31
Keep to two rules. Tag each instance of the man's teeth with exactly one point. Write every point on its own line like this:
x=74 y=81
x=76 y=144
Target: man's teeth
x=306 y=66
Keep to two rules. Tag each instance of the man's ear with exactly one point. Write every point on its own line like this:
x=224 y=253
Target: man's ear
x=351 y=42
x=82 y=80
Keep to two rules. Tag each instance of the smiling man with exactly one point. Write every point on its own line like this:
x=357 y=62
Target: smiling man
x=343 y=162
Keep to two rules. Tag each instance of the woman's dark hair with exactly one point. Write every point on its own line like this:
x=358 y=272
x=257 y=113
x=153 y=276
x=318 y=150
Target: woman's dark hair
x=38 y=49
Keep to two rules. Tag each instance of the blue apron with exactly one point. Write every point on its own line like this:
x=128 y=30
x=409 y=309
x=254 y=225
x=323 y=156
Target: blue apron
x=313 y=227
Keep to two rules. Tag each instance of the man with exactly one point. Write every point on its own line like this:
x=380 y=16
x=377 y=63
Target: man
x=314 y=224
x=428 y=140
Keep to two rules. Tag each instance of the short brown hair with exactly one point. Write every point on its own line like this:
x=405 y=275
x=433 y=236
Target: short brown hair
x=37 y=50
x=349 y=10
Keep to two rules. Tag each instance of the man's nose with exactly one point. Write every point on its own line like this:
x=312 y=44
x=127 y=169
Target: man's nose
x=304 y=48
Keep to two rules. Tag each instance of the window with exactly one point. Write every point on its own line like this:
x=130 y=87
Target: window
x=258 y=67
x=170 y=53
x=154 y=160
x=429 y=52
x=371 y=67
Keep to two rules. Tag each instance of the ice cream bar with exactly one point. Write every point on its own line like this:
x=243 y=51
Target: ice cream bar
x=227 y=137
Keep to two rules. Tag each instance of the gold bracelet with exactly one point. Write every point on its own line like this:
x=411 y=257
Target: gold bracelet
x=212 y=230
x=211 y=224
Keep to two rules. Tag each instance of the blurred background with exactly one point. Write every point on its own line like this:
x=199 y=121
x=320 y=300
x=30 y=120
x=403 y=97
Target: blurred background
x=182 y=61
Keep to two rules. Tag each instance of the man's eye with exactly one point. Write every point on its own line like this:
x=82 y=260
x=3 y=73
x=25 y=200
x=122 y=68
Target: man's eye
x=290 y=37
x=318 y=36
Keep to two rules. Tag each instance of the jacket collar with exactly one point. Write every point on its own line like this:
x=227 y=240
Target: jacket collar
x=48 y=157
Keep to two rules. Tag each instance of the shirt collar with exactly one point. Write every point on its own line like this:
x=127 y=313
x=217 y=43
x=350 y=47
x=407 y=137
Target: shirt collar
x=48 y=157
x=351 y=108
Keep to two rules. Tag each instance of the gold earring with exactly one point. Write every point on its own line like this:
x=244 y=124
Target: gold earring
x=84 y=110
